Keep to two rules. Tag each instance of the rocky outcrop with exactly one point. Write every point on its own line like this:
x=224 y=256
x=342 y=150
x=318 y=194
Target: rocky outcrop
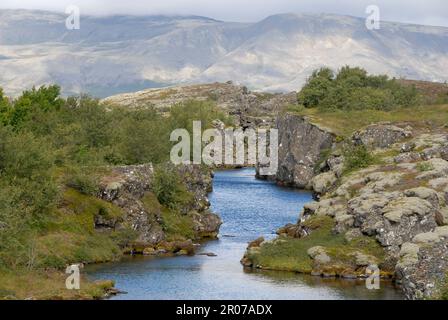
x=381 y=135
x=301 y=145
x=401 y=204
x=250 y=109
x=130 y=187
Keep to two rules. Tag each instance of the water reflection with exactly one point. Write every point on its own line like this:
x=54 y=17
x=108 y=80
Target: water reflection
x=249 y=208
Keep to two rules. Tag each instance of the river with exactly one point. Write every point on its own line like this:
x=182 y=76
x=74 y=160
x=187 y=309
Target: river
x=249 y=208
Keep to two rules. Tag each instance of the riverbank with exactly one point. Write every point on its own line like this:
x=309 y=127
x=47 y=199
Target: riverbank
x=248 y=207
x=382 y=200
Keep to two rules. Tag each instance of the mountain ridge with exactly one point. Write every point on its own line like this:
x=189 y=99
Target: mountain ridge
x=121 y=53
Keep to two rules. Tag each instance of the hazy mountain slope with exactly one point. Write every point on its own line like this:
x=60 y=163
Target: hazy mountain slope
x=126 y=53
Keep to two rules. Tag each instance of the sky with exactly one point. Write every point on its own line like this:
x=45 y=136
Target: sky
x=429 y=12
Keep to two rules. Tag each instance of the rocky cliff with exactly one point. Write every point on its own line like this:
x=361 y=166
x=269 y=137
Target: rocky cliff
x=130 y=188
x=302 y=146
x=392 y=213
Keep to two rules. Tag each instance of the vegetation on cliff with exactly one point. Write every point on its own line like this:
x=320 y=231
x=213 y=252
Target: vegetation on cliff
x=353 y=89
x=53 y=151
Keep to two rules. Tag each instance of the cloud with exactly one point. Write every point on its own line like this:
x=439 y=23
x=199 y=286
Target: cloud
x=433 y=12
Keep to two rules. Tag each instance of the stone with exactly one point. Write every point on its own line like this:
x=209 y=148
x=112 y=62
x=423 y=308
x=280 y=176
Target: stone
x=206 y=224
x=319 y=255
x=352 y=234
x=438 y=168
x=336 y=164
x=438 y=183
x=314 y=251
x=405 y=207
x=149 y=251
x=301 y=145
x=322 y=258
x=424 y=193
x=407 y=157
x=443 y=216
x=407 y=147
x=256 y=243
x=344 y=221
x=324 y=182
x=380 y=135
x=408 y=254
x=442 y=231
x=363 y=260
x=426 y=237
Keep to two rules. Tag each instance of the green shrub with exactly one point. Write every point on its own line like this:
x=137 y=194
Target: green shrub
x=357 y=157
x=353 y=89
x=424 y=166
x=170 y=191
x=84 y=182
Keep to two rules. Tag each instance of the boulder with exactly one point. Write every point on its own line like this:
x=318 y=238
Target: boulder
x=324 y=182
x=436 y=168
x=424 y=193
x=442 y=232
x=380 y=135
x=352 y=234
x=319 y=255
x=407 y=157
x=406 y=207
x=443 y=216
x=438 y=183
x=301 y=145
x=206 y=224
x=408 y=254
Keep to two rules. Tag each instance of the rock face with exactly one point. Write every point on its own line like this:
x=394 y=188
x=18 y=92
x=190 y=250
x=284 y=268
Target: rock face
x=301 y=145
x=402 y=206
x=381 y=135
x=127 y=188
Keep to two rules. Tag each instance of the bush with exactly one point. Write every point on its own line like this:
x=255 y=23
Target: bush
x=354 y=89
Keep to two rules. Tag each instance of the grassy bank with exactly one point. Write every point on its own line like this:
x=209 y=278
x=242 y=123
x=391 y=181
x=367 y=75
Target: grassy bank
x=48 y=285
x=291 y=254
x=345 y=122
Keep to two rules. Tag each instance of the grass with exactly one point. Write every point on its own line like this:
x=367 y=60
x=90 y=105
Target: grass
x=424 y=166
x=444 y=289
x=44 y=285
x=290 y=254
x=176 y=225
x=70 y=235
x=344 y=123
x=86 y=207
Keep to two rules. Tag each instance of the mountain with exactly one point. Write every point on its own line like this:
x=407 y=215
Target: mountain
x=117 y=54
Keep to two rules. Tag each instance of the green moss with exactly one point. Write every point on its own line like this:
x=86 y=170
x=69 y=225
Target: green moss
x=177 y=226
x=388 y=153
x=290 y=254
x=44 y=285
x=357 y=157
x=424 y=166
x=83 y=209
x=70 y=235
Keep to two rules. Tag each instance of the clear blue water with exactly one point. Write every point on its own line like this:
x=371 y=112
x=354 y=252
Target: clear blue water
x=249 y=208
